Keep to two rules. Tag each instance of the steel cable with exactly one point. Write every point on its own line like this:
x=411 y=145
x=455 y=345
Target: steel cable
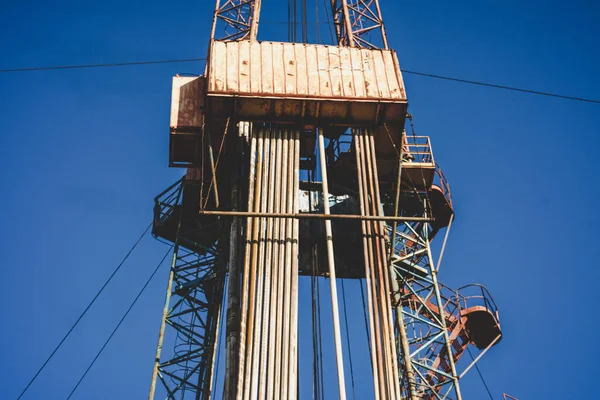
x=427 y=75
x=481 y=376
x=84 y=312
x=119 y=324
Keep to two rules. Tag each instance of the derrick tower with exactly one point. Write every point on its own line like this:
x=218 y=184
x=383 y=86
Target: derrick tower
x=299 y=165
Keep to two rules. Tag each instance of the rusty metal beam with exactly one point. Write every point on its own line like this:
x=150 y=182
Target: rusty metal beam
x=316 y=216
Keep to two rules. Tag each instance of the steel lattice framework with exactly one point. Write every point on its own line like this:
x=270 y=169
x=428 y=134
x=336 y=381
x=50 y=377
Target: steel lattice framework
x=358 y=23
x=193 y=301
x=431 y=318
x=236 y=19
x=424 y=316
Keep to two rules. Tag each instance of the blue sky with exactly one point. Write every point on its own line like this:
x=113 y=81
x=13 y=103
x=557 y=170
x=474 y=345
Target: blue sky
x=84 y=152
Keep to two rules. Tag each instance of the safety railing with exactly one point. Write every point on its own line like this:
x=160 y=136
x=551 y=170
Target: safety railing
x=165 y=203
x=477 y=295
x=441 y=181
x=417 y=149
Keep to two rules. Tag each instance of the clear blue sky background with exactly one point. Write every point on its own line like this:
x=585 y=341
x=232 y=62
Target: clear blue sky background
x=83 y=153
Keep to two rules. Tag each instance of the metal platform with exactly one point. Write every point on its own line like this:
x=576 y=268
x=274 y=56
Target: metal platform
x=418 y=164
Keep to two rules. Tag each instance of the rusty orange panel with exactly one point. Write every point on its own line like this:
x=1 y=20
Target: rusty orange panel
x=257 y=80
x=187 y=103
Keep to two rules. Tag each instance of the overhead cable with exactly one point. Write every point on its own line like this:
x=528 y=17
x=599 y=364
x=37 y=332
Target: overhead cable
x=119 y=64
x=120 y=322
x=411 y=72
x=84 y=312
x=496 y=86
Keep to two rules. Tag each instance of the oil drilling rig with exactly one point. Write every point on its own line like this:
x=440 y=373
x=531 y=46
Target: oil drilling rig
x=299 y=166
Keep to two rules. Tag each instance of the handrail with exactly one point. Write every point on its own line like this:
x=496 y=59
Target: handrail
x=444 y=184
x=179 y=181
x=166 y=201
x=417 y=149
x=488 y=301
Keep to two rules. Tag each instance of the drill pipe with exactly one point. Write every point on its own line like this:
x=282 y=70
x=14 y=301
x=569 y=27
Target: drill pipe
x=386 y=376
x=246 y=270
x=373 y=320
x=332 y=277
x=271 y=270
x=260 y=270
x=386 y=275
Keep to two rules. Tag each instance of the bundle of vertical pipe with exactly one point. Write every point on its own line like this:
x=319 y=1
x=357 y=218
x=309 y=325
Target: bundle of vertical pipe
x=269 y=307
x=377 y=272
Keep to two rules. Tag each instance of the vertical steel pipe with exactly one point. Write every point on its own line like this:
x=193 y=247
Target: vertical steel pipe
x=373 y=324
x=332 y=275
x=387 y=273
x=233 y=294
x=246 y=272
x=260 y=269
x=252 y=272
x=281 y=279
x=275 y=273
x=294 y=306
x=268 y=271
x=285 y=374
x=375 y=278
x=381 y=294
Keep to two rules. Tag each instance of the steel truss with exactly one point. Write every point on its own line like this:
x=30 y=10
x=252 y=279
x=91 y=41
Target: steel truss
x=193 y=304
x=425 y=316
x=358 y=23
x=431 y=318
x=236 y=20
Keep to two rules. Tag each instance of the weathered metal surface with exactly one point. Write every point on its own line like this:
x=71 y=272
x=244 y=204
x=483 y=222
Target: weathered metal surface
x=292 y=82
x=269 y=306
x=187 y=105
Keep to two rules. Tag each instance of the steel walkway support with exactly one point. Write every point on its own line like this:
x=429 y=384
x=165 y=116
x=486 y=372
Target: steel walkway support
x=192 y=310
